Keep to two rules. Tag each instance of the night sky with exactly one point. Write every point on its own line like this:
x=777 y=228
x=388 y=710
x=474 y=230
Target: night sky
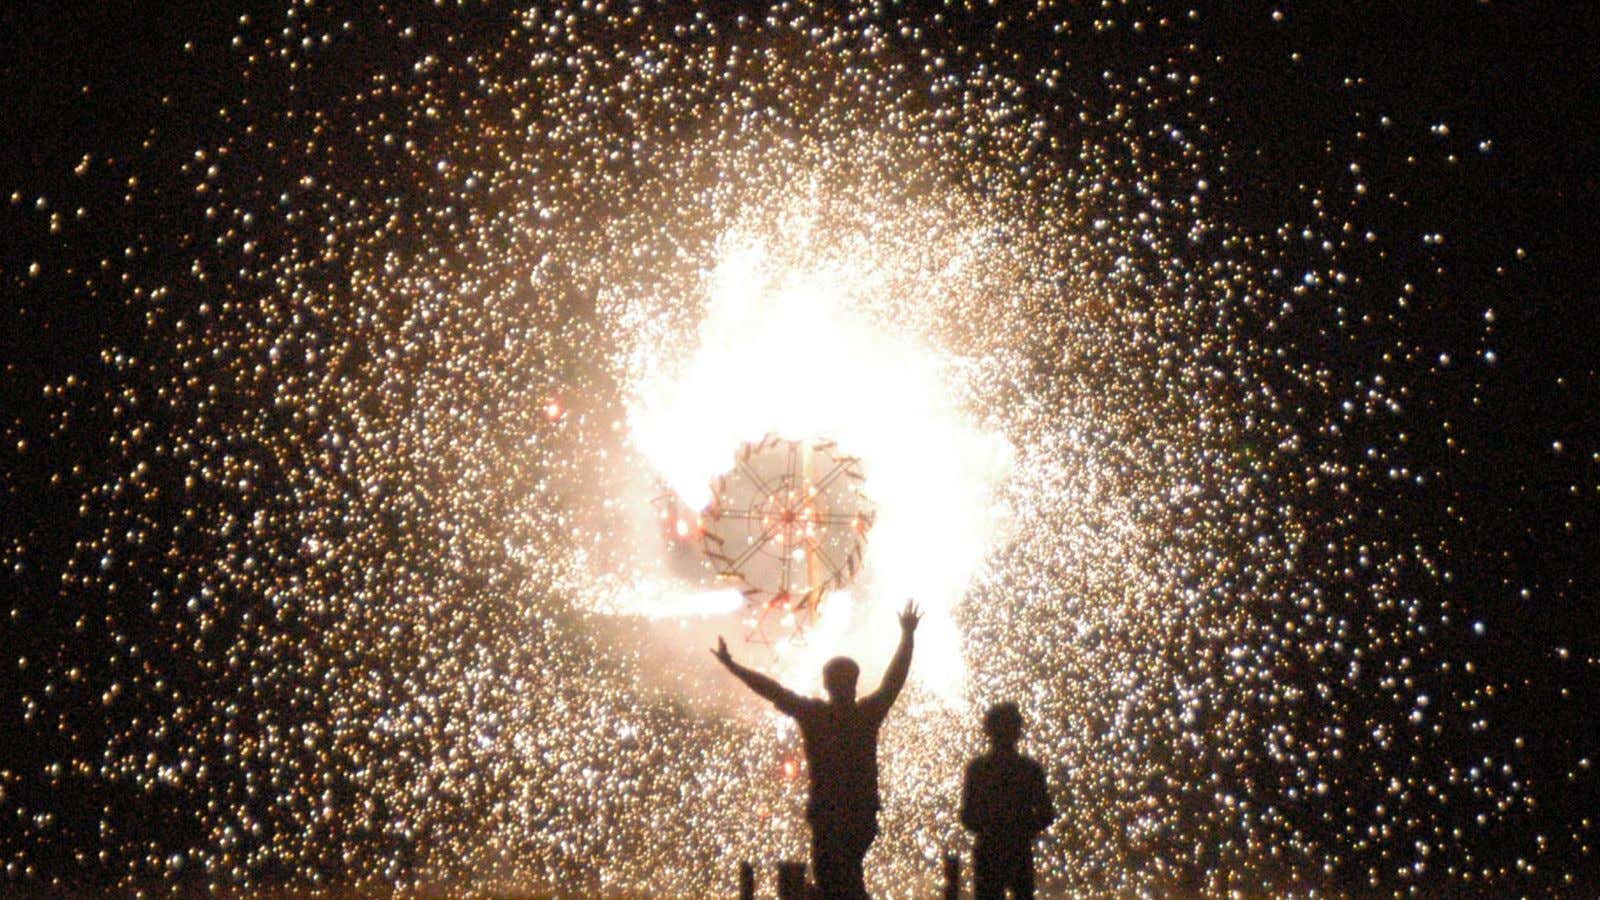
x=1225 y=383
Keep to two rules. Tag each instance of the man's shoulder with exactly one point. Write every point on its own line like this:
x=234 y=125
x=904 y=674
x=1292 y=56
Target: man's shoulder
x=808 y=707
x=1013 y=764
x=985 y=764
x=1033 y=767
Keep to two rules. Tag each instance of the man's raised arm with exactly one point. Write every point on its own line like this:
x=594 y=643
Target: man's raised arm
x=787 y=701
x=894 y=678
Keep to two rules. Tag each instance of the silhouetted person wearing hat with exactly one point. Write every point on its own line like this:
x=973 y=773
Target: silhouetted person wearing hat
x=841 y=743
x=1005 y=804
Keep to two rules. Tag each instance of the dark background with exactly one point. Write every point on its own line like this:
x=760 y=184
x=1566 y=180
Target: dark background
x=114 y=80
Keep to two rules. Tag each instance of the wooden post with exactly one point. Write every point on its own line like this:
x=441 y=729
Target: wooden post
x=792 y=881
x=747 y=881
x=952 y=876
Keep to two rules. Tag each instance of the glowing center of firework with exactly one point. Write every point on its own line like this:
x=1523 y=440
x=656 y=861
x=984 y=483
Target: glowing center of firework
x=783 y=520
x=788 y=523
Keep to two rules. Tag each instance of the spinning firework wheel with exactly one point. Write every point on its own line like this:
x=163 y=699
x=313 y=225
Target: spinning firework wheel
x=789 y=522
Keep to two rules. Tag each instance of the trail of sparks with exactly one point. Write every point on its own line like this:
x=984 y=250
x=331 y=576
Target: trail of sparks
x=361 y=574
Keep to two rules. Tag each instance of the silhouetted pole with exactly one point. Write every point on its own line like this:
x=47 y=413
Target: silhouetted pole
x=747 y=881
x=792 y=881
x=952 y=876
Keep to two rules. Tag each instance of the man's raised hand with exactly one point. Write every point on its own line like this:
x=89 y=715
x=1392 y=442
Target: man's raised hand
x=721 y=653
x=910 y=616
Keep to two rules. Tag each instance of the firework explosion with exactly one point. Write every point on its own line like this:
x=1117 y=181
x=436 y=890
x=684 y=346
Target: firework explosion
x=367 y=586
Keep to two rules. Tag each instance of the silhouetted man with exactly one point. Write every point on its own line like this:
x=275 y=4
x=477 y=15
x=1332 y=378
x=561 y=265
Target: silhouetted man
x=841 y=742
x=1005 y=804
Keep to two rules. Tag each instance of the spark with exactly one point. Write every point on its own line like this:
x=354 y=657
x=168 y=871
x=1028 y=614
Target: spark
x=370 y=585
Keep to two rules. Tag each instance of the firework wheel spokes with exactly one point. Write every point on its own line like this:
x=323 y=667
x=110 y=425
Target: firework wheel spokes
x=788 y=523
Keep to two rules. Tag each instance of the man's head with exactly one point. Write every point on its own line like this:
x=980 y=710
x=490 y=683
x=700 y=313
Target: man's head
x=839 y=677
x=1003 y=724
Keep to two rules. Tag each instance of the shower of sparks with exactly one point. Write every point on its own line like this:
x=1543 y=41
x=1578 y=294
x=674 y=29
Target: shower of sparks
x=373 y=589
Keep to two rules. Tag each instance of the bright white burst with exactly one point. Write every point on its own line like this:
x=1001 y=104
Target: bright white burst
x=427 y=371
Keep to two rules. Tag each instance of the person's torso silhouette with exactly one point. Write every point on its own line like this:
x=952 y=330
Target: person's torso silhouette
x=840 y=737
x=1005 y=803
x=841 y=747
